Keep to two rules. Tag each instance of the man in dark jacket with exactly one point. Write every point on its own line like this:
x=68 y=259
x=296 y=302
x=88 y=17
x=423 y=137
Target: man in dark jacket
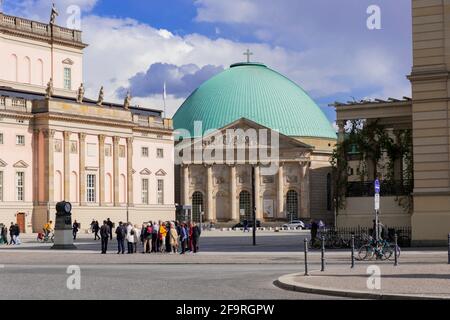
x=120 y=233
x=195 y=236
x=104 y=234
x=111 y=226
x=12 y=233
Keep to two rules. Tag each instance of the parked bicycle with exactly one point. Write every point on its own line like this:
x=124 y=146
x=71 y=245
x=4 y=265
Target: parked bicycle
x=381 y=250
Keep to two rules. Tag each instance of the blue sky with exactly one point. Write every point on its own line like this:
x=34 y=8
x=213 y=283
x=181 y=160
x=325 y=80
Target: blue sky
x=323 y=45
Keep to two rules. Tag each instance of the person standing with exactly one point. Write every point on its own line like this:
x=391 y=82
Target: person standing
x=314 y=229
x=162 y=237
x=75 y=229
x=120 y=234
x=183 y=238
x=17 y=234
x=5 y=235
x=104 y=234
x=196 y=232
x=155 y=237
x=148 y=233
x=173 y=238
x=136 y=235
x=111 y=226
x=130 y=238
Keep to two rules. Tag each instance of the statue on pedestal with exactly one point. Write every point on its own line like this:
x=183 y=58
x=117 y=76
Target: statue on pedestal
x=101 y=96
x=127 y=102
x=49 y=90
x=80 y=95
x=53 y=15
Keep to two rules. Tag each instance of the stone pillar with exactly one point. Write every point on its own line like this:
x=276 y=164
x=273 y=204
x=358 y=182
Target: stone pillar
x=186 y=183
x=101 y=166
x=130 y=196
x=36 y=135
x=49 y=136
x=116 y=141
x=82 y=161
x=67 y=135
x=259 y=211
x=305 y=204
x=341 y=131
x=280 y=190
x=211 y=216
x=233 y=194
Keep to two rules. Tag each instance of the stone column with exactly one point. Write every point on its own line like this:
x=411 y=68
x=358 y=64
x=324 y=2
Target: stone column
x=49 y=136
x=186 y=183
x=341 y=131
x=36 y=175
x=211 y=216
x=233 y=194
x=101 y=166
x=259 y=211
x=67 y=135
x=304 y=192
x=280 y=190
x=116 y=141
x=130 y=196
x=82 y=161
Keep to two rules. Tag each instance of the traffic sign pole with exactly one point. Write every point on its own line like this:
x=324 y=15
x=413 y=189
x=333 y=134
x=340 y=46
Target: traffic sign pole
x=377 y=207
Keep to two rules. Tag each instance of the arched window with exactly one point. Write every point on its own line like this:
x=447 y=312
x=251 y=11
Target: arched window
x=74 y=187
x=245 y=206
x=197 y=206
x=40 y=72
x=14 y=68
x=27 y=70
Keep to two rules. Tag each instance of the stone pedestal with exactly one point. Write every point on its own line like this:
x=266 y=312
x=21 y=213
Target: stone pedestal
x=63 y=232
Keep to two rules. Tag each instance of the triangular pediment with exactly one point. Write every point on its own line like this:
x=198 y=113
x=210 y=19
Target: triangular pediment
x=145 y=172
x=161 y=173
x=2 y=163
x=68 y=61
x=21 y=164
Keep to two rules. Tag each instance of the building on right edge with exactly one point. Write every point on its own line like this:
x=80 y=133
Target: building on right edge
x=404 y=142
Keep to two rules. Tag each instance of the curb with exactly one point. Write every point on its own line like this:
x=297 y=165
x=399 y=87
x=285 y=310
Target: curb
x=286 y=283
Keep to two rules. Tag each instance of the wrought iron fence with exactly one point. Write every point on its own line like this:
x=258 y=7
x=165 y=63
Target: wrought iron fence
x=340 y=238
x=367 y=188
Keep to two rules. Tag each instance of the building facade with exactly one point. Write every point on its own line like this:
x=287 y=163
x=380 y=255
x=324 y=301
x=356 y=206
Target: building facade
x=110 y=160
x=425 y=204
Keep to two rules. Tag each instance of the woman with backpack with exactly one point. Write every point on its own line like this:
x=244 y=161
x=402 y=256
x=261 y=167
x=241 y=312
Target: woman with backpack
x=148 y=233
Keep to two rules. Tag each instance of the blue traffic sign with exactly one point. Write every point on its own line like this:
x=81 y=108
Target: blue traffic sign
x=377 y=186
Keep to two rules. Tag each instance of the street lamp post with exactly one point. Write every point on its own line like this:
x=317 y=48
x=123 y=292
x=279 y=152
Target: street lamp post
x=254 y=205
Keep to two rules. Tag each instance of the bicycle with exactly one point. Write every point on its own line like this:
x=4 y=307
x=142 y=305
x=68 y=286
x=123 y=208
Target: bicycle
x=380 y=249
x=42 y=238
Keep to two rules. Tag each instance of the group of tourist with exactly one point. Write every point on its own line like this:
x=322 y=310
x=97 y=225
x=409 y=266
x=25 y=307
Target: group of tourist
x=153 y=237
x=14 y=234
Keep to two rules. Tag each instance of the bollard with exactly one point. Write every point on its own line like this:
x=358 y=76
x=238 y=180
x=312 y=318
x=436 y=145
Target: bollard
x=396 y=251
x=306 y=257
x=449 y=248
x=353 y=251
x=323 y=254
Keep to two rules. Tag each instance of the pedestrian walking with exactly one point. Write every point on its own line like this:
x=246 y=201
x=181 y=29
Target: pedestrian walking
x=130 y=238
x=246 y=229
x=173 y=238
x=96 y=229
x=314 y=229
x=104 y=234
x=12 y=233
x=120 y=235
x=75 y=227
x=5 y=235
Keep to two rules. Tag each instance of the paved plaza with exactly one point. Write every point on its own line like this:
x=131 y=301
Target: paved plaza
x=227 y=267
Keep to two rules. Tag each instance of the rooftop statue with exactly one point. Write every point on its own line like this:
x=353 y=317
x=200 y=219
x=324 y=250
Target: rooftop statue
x=101 y=96
x=80 y=95
x=53 y=15
x=49 y=90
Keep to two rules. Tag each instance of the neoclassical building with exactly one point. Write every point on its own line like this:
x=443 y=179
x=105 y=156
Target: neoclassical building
x=251 y=98
x=109 y=160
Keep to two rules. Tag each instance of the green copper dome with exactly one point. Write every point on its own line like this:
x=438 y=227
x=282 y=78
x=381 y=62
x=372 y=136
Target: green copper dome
x=259 y=94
